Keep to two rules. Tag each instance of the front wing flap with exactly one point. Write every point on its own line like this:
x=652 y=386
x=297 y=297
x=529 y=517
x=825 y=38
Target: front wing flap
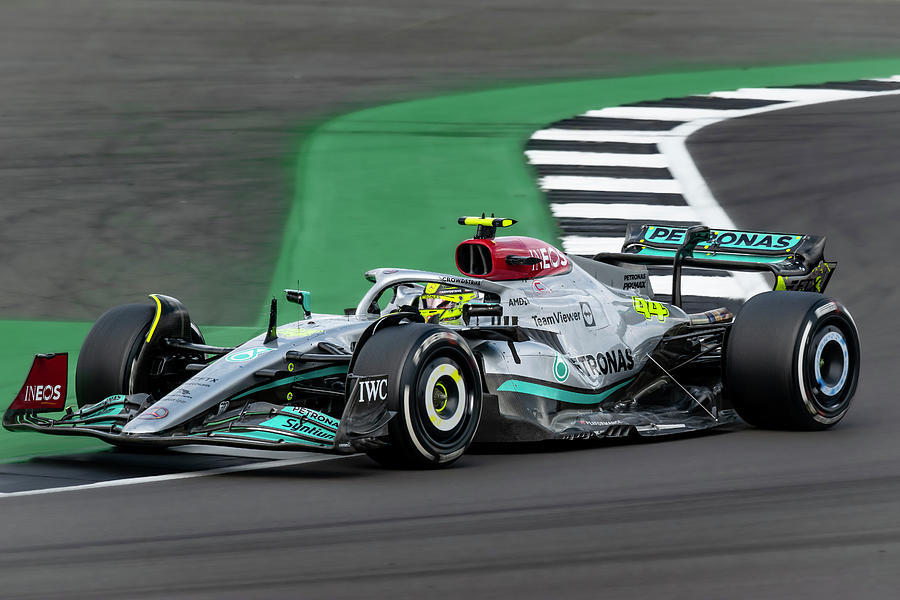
x=104 y=419
x=255 y=425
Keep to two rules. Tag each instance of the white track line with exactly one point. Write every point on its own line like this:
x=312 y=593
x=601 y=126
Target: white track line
x=234 y=452
x=587 y=245
x=660 y=113
x=635 y=212
x=581 y=135
x=790 y=95
x=275 y=464
x=595 y=159
x=609 y=184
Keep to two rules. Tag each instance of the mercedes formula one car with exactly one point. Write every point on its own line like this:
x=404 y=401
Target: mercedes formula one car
x=527 y=344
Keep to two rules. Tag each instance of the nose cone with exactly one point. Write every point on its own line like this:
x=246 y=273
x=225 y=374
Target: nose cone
x=155 y=419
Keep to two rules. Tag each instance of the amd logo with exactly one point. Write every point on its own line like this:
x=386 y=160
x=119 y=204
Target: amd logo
x=373 y=389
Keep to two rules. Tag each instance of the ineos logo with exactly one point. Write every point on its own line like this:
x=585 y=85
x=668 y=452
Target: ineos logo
x=550 y=258
x=42 y=393
x=373 y=389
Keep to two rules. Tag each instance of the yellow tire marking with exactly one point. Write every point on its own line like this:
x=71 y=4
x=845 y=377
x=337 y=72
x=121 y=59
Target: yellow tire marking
x=156 y=319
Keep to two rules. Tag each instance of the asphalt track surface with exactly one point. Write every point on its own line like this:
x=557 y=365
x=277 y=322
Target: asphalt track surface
x=746 y=514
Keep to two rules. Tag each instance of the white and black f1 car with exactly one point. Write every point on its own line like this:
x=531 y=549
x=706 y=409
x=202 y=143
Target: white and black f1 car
x=528 y=344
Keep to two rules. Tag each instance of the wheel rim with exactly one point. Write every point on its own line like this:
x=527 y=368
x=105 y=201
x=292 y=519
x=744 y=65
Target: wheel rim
x=444 y=397
x=443 y=403
x=832 y=363
x=830 y=369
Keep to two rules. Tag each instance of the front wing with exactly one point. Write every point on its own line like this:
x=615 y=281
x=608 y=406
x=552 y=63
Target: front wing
x=253 y=425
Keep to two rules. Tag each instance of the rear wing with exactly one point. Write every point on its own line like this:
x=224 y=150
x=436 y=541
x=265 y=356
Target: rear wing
x=796 y=260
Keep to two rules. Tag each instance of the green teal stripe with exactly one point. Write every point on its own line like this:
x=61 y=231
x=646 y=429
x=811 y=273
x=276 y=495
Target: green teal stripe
x=294 y=378
x=545 y=391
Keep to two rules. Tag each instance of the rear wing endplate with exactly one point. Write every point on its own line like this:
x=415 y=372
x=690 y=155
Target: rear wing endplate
x=796 y=260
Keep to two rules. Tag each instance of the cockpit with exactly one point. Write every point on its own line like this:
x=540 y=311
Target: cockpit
x=436 y=302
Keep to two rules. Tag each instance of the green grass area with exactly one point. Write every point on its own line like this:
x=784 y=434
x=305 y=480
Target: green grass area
x=384 y=186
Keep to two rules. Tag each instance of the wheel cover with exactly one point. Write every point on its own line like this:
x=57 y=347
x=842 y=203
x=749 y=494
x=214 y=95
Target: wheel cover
x=828 y=367
x=445 y=396
x=832 y=362
x=441 y=415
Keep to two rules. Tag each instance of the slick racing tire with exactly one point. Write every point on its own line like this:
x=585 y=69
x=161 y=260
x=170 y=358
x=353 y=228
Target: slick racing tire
x=792 y=361
x=433 y=386
x=108 y=360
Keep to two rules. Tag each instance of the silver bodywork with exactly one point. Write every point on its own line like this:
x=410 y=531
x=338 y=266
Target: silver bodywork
x=585 y=342
x=583 y=353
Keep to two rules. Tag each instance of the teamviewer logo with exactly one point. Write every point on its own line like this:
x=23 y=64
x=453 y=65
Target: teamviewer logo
x=587 y=315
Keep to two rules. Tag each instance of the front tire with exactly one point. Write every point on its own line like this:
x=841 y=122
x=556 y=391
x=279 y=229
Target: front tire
x=111 y=361
x=433 y=386
x=109 y=351
x=792 y=361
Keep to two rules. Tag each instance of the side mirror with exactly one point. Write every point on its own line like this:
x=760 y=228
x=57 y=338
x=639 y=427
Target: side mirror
x=300 y=297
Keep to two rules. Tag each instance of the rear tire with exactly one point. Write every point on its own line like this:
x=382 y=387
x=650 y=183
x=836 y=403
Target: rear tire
x=433 y=386
x=792 y=361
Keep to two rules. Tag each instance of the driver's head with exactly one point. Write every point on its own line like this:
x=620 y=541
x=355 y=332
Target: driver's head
x=443 y=302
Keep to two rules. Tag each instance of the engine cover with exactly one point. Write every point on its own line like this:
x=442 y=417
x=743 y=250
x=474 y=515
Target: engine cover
x=513 y=257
